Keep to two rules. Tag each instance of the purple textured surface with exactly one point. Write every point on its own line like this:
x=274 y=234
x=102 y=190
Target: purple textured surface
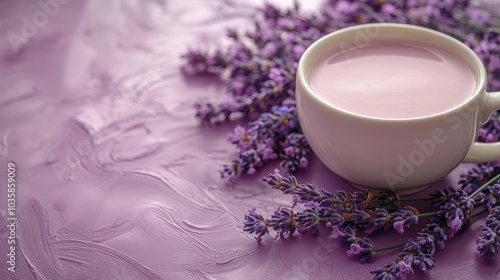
x=116 y=179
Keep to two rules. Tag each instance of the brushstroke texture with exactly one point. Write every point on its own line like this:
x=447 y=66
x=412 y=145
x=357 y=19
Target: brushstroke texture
x=118 y=180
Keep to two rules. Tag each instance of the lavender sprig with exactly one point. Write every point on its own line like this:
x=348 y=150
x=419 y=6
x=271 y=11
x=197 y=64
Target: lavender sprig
x=478 y=175
x=198 y=62
x=259 y=67
x=255 y=223
x=456 y=212
x=355 y=216
x=489 y=196
x=454 y=215
x=488 y=241
x=351 y=216
x=275 y=135
x=358 y=245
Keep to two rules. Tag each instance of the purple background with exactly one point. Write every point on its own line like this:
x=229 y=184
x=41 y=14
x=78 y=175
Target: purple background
x=116 y=178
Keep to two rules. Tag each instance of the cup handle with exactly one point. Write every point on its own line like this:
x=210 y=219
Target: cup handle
x=484 y=152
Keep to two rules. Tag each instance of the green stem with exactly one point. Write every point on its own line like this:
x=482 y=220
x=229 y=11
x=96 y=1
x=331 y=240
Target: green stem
x=389 y=248
x=494 y=179
x=484 y=210
x=497 y=177
x=427 y=214
x=479 y=213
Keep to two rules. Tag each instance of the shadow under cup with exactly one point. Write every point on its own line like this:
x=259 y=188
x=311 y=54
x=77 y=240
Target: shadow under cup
x=404 y=154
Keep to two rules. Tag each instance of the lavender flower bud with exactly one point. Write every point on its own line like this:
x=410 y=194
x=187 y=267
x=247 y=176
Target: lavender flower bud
x=362 y=199
x=488 y=241
x=457 y=212
x=440 y=197
x=489 y=196
x=479 y=175
x=363 y=220
x=283 y=221
x=309 y=220
x=405 y=218
x=382 y=218
x=391 y=200
x=255 y=223
x=389 y=271
x=364 y=248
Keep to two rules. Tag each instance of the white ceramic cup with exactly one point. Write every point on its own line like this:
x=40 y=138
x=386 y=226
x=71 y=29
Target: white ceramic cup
x=394 y=154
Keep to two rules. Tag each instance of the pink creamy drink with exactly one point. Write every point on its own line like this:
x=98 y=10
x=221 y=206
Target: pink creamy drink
x=393 y=80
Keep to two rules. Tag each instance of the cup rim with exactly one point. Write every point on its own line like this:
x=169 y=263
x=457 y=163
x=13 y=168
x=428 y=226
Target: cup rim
x=480 y=84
